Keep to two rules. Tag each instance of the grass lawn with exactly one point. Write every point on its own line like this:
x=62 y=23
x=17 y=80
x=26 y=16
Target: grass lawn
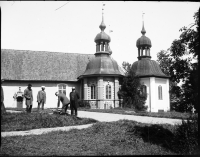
x=28 y=121
x=123 y=137
x=128 y=111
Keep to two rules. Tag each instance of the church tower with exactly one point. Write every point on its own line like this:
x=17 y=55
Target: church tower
x=154 y=82
x=101 y=79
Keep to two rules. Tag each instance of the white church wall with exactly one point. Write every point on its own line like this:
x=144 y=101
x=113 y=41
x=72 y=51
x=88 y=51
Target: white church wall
x=146 y=82
x=162 y=104
x=51 y=100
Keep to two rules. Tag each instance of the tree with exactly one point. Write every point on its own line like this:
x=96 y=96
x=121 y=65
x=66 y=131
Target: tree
x=126 y=66
x=130 y=90
x=181 y=68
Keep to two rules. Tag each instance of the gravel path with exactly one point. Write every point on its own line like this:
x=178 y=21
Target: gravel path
x=102 y=117
x=109 y=117
x=43 y=130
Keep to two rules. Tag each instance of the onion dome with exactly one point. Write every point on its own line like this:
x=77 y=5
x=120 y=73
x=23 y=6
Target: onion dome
x=143 y=41
x=143 y=44
x=102 y=63
x=148 y=68
x=102 y=35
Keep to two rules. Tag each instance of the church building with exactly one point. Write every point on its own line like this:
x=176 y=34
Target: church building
x=97 y=78
x=154 y=82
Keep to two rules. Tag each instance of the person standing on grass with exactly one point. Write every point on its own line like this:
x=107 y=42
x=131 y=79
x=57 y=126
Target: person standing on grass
x=28 y=94
x=65 y=101
x=41 y=98
x=74 y=101
x=3 y=109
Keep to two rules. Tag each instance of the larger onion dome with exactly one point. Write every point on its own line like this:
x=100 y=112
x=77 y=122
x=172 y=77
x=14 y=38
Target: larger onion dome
x=102 y=35
x=102 y=64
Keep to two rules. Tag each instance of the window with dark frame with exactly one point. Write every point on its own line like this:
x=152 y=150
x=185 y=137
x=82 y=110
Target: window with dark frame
x=143 y=89
x=160 y=92
x=93 y=92
x=108 y=91
x=62 y=88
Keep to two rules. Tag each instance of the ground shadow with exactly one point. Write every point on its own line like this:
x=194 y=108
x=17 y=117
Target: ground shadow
x=156 y=134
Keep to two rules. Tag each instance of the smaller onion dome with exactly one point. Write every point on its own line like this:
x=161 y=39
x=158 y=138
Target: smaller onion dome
x=143 y=40
x=102 y=35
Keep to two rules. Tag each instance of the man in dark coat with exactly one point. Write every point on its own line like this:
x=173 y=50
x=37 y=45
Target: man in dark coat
x=73 y=101
x=28 y=94
x=3 y=109
x=41 y=98
x=65 y=101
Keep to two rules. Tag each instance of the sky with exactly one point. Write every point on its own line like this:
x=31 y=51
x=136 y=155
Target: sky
x=71 y=27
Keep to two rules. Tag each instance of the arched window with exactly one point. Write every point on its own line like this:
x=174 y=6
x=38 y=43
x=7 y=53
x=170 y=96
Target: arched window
x=143 y=89
x=108 y=91
x=160 y=92
x=62 y=88
x=93 y=95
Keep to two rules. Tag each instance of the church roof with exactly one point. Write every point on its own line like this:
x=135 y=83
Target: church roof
x=148 y=68
x=103 y=65
x=42 y=65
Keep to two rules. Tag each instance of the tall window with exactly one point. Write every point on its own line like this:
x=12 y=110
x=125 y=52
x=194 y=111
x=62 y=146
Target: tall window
x=143 y=89
x=108 y=91
x=160 y=92
x=62 y=88
x=93 y=92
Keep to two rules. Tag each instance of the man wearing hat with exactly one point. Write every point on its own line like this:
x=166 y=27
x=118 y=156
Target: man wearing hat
x=41 y=98
x=73 y=101
x=3 y=109
x=65 y=101
x=28 y=94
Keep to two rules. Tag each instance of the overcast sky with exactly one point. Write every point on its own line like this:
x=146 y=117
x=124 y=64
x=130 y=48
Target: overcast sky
x=71 y=27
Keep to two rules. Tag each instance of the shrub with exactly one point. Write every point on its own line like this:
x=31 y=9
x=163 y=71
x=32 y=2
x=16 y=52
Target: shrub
x=84 y=103
x=186 y=136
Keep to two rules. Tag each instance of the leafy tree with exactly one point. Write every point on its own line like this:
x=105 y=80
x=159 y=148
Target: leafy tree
x=181 y=68
x=131 y=90
x=126 y=66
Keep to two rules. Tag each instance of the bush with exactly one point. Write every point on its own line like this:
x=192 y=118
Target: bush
x=186 y=136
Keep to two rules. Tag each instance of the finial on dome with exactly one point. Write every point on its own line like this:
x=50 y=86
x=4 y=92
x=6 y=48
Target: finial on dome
x=143 y=30
x=102 y=25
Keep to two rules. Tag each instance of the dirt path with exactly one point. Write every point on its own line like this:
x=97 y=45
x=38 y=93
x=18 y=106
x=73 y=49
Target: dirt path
x=43 y=130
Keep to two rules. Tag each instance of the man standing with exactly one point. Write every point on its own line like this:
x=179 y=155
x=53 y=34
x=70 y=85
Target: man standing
x=3 y=110
x=28 y=94
x=41 y=98
x=19 y=95
x=65 y=101
x=73 y=101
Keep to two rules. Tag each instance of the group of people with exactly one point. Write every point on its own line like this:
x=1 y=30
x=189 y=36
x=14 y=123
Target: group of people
x=41 y=99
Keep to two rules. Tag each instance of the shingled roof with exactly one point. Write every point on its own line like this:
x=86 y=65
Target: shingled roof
x=42 y=65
